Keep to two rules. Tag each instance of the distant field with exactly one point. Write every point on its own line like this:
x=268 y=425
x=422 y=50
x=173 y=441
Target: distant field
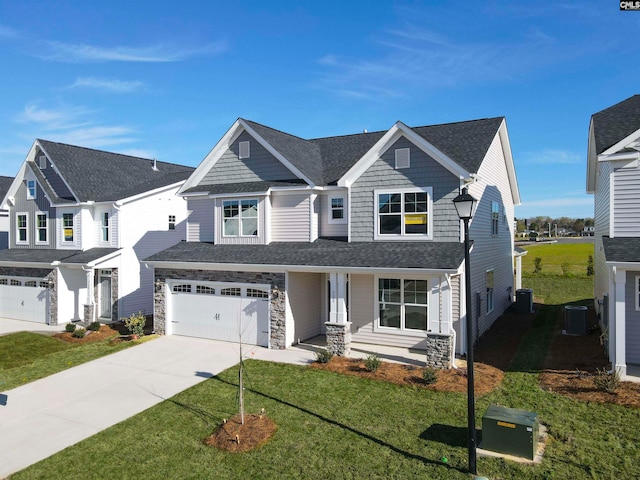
x=552 y=286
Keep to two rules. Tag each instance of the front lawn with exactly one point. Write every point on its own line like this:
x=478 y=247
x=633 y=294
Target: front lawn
x=28 y=356
x=337 y=426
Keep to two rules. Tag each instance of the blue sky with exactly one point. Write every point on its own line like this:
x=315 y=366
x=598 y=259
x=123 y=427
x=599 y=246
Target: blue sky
x=166 y=79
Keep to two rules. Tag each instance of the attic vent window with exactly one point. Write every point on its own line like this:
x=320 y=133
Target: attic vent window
x=403 y=158
x=245 y=150
x=42 y=162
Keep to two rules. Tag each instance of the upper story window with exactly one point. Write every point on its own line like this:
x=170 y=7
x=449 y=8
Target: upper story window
x=31 y=189
x=21 y=229
x=403 y=214
x=42 y=228
x=489 y=282
x=403 y=158
x=104 y=227
x=337 y=209
x=67 y=227
x=240 y=218
x=495 y=217
x=172 y=222
x=244 y=150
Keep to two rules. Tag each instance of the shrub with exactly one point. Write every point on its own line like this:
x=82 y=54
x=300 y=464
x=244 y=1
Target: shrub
x=79 y=333
x=70 y=327
x=372 y=363
x=430 y=375
x=94 y=326
x=323 y=355
x=605 y=381
x=537 y=265
x=590 y=266
x=135 y=323
x=565 y=268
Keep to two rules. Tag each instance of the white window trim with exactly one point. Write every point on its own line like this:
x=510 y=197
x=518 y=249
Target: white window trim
x=37 y=228
x=344 y=218
x=495 y=222
x=402 y=158
x=403 y=236
x=26 y=228
x=171 y=221
x=240 y=200
x=35 y=190
x=244 y=150
x=490 y=305
x=402 y=331
x=62 y=228
x=103 y=227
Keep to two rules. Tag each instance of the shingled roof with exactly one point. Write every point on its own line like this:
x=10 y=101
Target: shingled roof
x=104 y=176
x=325 y=160
x=621 y=249
x=616 y=123
x=5 y=183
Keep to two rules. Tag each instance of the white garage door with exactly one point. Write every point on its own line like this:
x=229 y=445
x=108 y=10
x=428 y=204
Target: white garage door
x=221 y=311
x=23 y=298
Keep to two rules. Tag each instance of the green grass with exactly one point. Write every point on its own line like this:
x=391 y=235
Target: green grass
x=27 y=356
x=555 y=290
x=573 y=255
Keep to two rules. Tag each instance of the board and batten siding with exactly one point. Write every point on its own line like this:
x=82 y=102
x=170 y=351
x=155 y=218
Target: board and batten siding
x=260 y=166
x=259 y=239
x=632 y=320
x=423 y=172
x=31 y=207
x=491 y=252
x=326 y=229
x=200 y=221
x=626 y=202
x=305 y=304
x=290 y=217
x=145 y=231
x=602 y=212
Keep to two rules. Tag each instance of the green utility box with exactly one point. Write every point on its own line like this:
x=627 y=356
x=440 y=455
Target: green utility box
x=511 y=431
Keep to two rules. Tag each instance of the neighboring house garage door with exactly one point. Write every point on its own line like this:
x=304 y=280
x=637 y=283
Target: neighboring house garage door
x=220 y=311
x=23 y=298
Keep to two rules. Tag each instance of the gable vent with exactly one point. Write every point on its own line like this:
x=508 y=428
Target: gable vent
x=245 y=150
x=403 y=158
x=42 y=162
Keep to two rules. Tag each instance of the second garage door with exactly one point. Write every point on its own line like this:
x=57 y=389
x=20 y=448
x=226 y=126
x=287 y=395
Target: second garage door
x=220 y=311
x=23 y=298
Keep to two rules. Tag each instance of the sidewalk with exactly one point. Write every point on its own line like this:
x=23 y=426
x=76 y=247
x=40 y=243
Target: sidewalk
x=48 y=415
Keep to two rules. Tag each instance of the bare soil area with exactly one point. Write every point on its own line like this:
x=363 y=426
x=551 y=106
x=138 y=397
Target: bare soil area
x=106 y=331
x=234 y=436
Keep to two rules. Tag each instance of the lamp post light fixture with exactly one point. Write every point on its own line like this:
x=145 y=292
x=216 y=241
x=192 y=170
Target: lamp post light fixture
x=465 y=204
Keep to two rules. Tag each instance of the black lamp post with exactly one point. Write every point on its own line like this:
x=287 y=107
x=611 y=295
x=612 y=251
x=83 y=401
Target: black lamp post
x=465 y=204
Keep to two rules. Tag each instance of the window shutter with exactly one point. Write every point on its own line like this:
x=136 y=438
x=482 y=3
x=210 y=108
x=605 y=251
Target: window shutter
x=403 y=158
x=245 y=150
x=42 y=161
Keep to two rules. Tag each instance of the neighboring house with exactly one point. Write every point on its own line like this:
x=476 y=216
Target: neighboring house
x=80 y=221
x=588 y=231
x=355 y=237
x=5 y=183
x=613 y=176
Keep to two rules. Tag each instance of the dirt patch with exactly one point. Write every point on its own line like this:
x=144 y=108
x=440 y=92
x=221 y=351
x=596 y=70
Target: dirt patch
x=233 y=436
x=572 y=362
x=486 y=377
x=105 y=332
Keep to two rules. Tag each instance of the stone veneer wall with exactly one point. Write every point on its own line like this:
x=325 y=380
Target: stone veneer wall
x=439 y=349
x=339 y=338
x=277 y=299
x=47 y=273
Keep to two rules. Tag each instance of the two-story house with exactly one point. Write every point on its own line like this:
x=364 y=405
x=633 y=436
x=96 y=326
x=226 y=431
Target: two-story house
x=5 y=183
x=80 y=221
x=354 y=237
x=613 y=176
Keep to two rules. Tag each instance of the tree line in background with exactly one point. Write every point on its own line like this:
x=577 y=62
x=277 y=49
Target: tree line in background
x=563 y=226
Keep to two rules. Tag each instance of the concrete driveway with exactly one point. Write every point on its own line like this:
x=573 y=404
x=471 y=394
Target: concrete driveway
x=8 y=326
x=46 y=416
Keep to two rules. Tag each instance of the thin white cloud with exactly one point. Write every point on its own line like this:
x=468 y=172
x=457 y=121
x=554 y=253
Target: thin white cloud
x=8 y=32
x=108 y=85
x=550 y=156
x=81 y=53
x=139 y=152
x=559 y=202
x=60 y=118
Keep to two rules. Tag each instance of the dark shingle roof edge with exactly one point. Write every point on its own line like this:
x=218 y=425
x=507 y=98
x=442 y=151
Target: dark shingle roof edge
x=622 y=249
x=616 y=123
x=321 y=253
x=50 y=255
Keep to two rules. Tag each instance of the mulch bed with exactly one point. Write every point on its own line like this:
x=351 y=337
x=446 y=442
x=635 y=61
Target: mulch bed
x=105 y=332
x=233 y=436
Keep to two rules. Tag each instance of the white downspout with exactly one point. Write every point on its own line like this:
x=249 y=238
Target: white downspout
x=452 y=330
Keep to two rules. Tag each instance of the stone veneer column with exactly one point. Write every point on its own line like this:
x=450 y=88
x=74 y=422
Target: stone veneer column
x=159 y=305
x=339 y=338
x=439 y=350
x=114 y=295
x=52 y=277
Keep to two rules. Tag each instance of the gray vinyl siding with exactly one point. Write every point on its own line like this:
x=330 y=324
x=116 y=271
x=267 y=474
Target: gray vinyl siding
x=602 y=213
x=327 y=229
x=200 y=221
x=253 y=240
x=31 y=207
x=632 y=317
x=260 y=165
x=55 y=181
x=491 y=252
x=626 y=202
x=305 y=303
x=290 y=218
x=424 y=172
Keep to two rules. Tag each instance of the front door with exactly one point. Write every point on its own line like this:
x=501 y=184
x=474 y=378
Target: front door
x=105 y=297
